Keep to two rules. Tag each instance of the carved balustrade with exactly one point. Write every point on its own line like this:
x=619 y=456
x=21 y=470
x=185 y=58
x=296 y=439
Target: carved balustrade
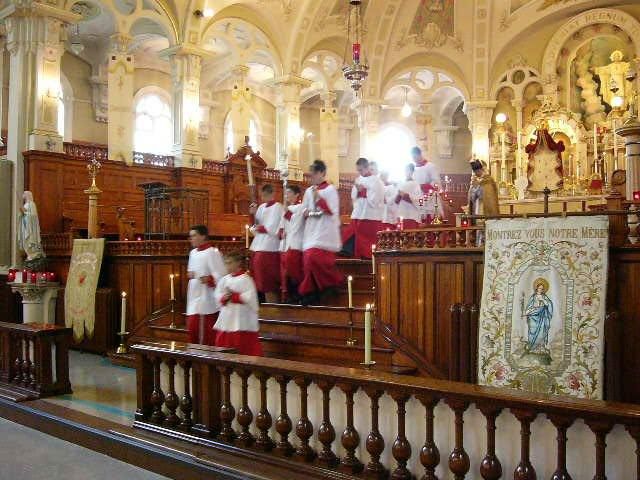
x=429 y=238
x=86 y=151
x=153 y=160
x=164 y=248
x=213 y=167
x=34 y=360
x=346 y=423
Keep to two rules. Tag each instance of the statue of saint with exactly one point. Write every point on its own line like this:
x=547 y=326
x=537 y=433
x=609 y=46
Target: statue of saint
x=614 y=75
x=29 y=229
x=483 y=192
x=539 y=311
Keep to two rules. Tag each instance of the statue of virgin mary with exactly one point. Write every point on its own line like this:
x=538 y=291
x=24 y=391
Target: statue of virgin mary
x=29 y=229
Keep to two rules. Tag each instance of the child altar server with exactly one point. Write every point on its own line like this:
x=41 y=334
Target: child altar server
x=292 y=228
x=408 y=201
x=367 y=195
x=237 y=326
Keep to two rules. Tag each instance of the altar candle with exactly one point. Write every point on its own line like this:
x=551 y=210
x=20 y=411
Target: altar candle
x=615 y=146
x=34 y=277
x=636 y=195
x=43 y=277
x=11 y=277
x=123 y=313
x=24 y=275
x=373 y=258
x=173 y=296
x=595 y=142
x=246 y=236
x=350 y=290
x=367 y=334
x=51 y=277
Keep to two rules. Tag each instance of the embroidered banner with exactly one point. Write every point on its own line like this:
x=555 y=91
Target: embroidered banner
x=80 y=291
x=543 y=305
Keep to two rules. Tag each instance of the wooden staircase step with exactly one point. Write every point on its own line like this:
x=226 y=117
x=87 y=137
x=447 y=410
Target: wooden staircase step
x=328 y=331
x=311 y=314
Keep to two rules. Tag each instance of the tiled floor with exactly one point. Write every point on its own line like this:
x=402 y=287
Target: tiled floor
x=100 y=388
x=27 y=454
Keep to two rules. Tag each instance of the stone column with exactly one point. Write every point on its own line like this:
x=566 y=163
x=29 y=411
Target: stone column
x=480 y=114
x=34 y=41
x=369 y=123
x=120 y=81
x=186 y=65
x=240 y=112
x=518 y=105
x=424 y=125
x=631 y=133
x=329 y=141
x=288 y=133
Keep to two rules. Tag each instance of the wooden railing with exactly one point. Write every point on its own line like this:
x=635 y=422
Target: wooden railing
x=34 y=360
x=210 y=398
x=214 y=167
x=428 y=238
x=153 y=160
x=86 y=151
x=166 y=248
x=58 y=244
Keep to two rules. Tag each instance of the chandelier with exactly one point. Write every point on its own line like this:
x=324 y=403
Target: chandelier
x=355 y=72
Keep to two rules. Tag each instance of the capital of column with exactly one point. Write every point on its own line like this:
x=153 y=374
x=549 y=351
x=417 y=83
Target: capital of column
x=288 y=88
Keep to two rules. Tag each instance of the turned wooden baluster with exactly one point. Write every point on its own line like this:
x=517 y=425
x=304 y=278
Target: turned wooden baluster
x=171 y=400
x=186 y=402
x=19 y=351
x=459 y=462
x=490 y=468
x=227 y=412
x=375 y=441
x=524 y=470
x=304 y=428
x=26 y=364
x=600 y=429
x=283 y=422
x=263 y=418
x=326 y=432
x=245 y=415
x=429 y=454
x=634 y=431
x=32 y=372
x=562 y=424
x=157 y=396
x=401 y=449
x=350 y=438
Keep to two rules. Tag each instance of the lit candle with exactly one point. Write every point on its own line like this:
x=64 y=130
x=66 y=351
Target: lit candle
x=246 y=236
x=615 y=146
x=173 y=296
x=595 y=142
x=34 y=277
x=367 y=334
x=11 y=276
x=350 y=290
x=356 y=52
x=373 y=258
x=24 y=275
x=636 y=196
x=52 y=277
x=123 y=313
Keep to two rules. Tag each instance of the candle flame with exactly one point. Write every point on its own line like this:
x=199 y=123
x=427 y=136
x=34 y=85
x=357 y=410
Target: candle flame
x=124 y=294
x=172 y=276
x=368 y=307
x=350 y=278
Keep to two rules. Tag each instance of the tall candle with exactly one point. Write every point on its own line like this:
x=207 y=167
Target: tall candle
x=24 y=275
x=123 y=313
x=350 y=290
x=173 y=296
x=246 y=236
x=595 y=142
x=373 y=258
x=615 y=146
x=367 y=334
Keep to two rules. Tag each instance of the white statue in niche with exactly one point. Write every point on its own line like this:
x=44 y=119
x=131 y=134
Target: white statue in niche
x=612 y=76
x=29 y=231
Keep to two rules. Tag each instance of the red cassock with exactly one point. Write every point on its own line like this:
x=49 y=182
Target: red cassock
x=200 y=328
x=265 y=269
x=292 y=228
x=320 y=271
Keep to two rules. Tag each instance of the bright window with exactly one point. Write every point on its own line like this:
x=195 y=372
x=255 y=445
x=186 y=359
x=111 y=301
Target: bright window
x=392 y=150
x=153 y=127
x=229 y=137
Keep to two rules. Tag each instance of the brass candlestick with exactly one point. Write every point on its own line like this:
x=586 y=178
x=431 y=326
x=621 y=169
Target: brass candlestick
x=351 y=341
x=122 y=348
x=173 y=313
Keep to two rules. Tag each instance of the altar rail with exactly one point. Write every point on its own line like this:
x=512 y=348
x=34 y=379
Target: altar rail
x=230 y=402
x=34 y=360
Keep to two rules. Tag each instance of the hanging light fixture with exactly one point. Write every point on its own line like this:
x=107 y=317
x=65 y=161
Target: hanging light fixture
x=355 y=72
x=406 y=108
x=76 y=44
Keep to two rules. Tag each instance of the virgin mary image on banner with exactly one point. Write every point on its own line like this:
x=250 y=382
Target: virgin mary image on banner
x=539 y=312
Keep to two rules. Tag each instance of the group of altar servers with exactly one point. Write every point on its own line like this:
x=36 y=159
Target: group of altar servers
x=294 y=248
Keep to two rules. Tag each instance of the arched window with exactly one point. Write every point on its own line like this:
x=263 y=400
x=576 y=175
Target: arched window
x=392 y=150
x=229 y=136
x=153 y=128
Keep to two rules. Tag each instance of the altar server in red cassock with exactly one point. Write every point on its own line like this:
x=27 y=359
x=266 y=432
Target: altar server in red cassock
x=428 y=177
x=205 y=269
x=292 y=228
x=367 y=195
x=390 y=215
x=237 y=326
x=265 y=266
x=408 y=201
x=321 y=209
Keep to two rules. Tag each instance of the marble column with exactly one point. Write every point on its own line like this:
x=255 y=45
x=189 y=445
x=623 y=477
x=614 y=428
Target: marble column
x=120 y=81
x=240 y=113
x=329 y=141
x=186 y=65
x=480 y=114
x=369 y=124
x=288 y=132
x=34 y=41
